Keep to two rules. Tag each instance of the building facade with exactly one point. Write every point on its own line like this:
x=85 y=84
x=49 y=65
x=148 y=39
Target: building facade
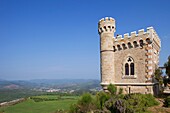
x=128 y=61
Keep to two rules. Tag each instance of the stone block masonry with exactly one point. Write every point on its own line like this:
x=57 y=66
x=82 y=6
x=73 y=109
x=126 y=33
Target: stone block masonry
x=128 y=61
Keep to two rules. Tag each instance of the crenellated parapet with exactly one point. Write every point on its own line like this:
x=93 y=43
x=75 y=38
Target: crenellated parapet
x=129 y=60
x=147 y=40
x=106 y=25
x=136 y=39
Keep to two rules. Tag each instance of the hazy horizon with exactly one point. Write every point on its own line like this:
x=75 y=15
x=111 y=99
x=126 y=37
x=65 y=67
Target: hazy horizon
x=58 y=39
x=49 y=79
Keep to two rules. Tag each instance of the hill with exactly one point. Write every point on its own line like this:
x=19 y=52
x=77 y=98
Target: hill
x=10 y=90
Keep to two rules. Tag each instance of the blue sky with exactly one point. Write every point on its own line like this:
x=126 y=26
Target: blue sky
x=51 y=39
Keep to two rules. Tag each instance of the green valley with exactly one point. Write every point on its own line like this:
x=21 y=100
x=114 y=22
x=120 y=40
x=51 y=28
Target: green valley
x=55 y=102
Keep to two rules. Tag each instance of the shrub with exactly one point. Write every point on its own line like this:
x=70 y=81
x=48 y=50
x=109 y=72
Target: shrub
x=120 y=91
x=37 y=99
x=85 y=99
x=73 y=108
x=139 y=102
x=106 y=103
x=115 y=105
x=119 y=106
x=112 y=89
x=84 y=105
x=150 y=100
x=134 y=103
x=167 y=101
x=101 y=98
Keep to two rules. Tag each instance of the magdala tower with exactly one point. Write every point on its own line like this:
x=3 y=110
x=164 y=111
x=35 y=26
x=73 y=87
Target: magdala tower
x=128 y=61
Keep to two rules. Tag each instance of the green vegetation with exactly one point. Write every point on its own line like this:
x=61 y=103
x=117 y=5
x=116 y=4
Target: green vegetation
x=113 y=102
x=167 y=101
x=51 y=98
x=139 y=102
x=112 y=89
x=84 y=103
x=11 y=90
x=12 y=94
x=166 y=79
x=50 y=106
x=158 y=76
x=167 y=66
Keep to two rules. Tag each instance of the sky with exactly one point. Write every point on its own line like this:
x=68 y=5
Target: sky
x=58 y=39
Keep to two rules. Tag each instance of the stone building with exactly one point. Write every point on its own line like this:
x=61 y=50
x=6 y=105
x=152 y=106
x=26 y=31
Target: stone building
x=128 y=61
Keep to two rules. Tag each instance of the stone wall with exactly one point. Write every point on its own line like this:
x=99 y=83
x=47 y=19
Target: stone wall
x=143 y=47
x=136 y=89
x=138 y=54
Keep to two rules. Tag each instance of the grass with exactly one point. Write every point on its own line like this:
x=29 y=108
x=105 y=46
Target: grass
x=47 y=96
x=30 y=106
x=8 y=95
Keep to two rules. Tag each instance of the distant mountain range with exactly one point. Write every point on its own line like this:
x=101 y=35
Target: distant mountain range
x=10 y=90
x=52 y=83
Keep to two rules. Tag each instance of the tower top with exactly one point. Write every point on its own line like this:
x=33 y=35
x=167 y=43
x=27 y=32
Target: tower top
x=106 y=25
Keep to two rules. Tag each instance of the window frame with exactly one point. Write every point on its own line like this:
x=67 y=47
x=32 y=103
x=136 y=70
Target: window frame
x=129 y=70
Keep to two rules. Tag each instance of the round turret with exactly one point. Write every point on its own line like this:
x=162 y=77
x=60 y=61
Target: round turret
x=106 y=29
x=106 y=25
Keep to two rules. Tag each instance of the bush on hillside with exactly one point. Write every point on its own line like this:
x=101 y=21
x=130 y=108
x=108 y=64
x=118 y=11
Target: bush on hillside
x=101 y=98
x=73 y=108
x=120 y=91
x=167 y=101
x=84 y=105
x=37 y=99
x=112 y=89
x=134 y=103
x=139 y=102
x=114 y=103
x=150 y=100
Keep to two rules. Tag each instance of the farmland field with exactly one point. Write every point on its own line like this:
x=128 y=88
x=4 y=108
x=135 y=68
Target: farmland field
x=47 y=104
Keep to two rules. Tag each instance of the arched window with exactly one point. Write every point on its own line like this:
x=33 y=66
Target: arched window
x=132 y=69
x=126 y=69
x=129 y=67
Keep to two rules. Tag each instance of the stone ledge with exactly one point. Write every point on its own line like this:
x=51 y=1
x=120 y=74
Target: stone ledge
x=129 y=77
x=133 y=84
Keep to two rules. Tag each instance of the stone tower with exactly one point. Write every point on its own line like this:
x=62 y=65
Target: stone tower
x=106 y=31
x=128 y=61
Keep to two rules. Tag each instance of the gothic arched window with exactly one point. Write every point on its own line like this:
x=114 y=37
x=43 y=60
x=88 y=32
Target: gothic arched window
x=129 y=67
x=126 y=69
x=132 y=69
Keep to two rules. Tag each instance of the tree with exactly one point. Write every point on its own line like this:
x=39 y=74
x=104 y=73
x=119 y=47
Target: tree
x=102 y=97
x=112 y=89
x=84 y=105
x=158 y=76
x=167 y=66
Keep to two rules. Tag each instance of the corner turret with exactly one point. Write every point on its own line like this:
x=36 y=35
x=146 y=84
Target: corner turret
x=106 y=29
x=106 y=25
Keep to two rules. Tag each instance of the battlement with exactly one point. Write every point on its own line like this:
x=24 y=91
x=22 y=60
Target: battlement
x=134 y=34
x=136 y=39
x=128 y=60
x=106 y=25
